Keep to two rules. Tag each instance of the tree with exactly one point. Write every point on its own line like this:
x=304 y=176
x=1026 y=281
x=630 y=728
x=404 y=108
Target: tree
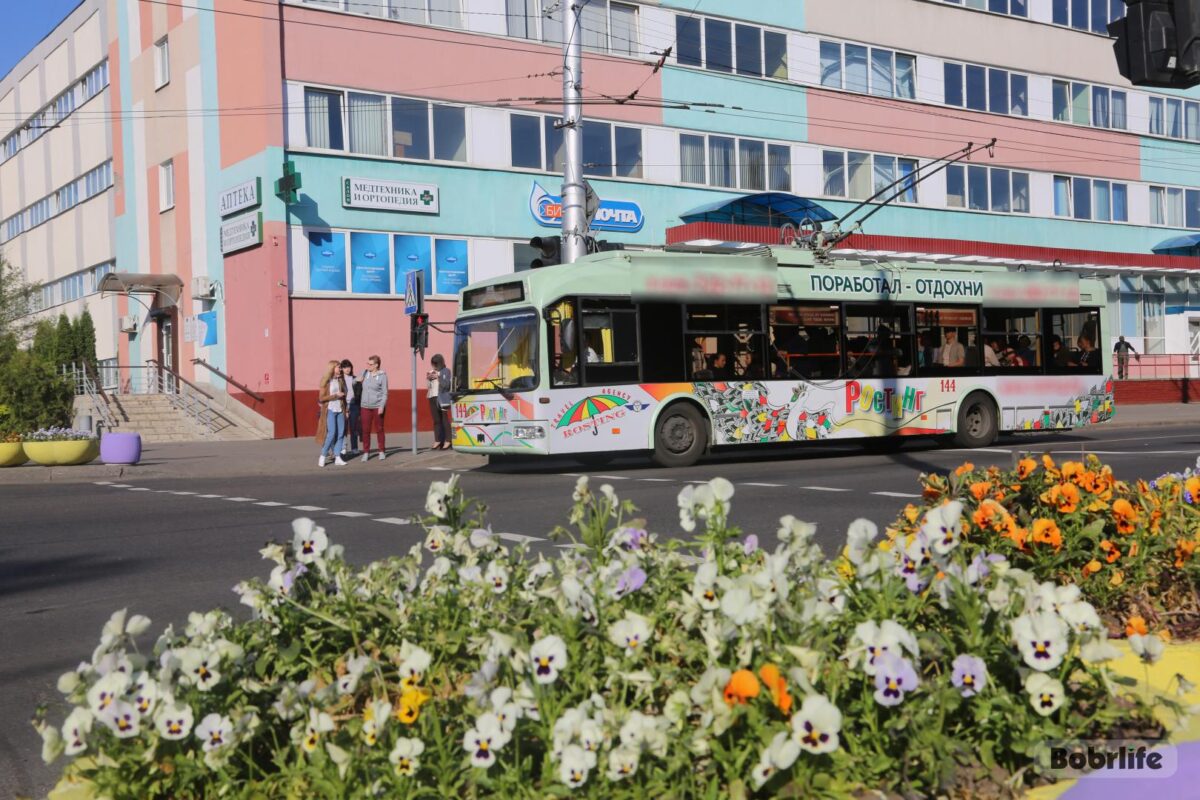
x=64 y=341
x=45 y=339
x=33 y=394
x=85 y=339
x=17 y=301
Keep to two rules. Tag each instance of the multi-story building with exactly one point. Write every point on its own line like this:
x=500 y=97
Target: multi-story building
x=56 y=172
x=423 y=132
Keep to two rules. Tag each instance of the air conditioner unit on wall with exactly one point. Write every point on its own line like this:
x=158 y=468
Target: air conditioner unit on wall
x=203 y=288
x=129 y=323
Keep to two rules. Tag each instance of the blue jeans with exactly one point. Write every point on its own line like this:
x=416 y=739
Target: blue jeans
x=353 y=427
x=335 y=431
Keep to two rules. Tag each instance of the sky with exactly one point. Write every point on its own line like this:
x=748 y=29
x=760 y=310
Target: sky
x=25 y=24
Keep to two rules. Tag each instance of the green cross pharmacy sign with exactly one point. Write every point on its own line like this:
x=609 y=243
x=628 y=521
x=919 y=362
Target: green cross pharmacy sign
x=381 y=195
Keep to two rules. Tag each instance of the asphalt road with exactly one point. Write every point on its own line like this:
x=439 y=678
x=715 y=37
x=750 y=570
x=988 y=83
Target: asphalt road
x=71 y=554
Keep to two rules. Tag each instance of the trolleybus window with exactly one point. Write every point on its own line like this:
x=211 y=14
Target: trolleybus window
x=610 y=341
x=564 y=346
x=1073 y=343
x=496 y=353
x=947 y=341
x=725 y=342
x=1012 y=340
x=804 y=341
x=879 y=341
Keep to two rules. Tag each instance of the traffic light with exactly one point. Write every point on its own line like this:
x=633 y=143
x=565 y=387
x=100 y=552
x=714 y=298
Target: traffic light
x=419 y=331
x=551 y=248
x=1158 y=43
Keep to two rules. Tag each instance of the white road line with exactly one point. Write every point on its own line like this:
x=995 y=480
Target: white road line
x=119 y=485
x=519 y=538
x=695 y=481
x=182 y=492
x=768 y=485
x=394 y=520
x=438 y=469
x=308 y=508
x=996 y=450
x=611 y=477
x=103 y=483
x=210 y=496
x=240 y=499
x=823 y=489
x=349 y=514
x=658 y=480
x=896 y=494
x=138 y=489
x=269 y=503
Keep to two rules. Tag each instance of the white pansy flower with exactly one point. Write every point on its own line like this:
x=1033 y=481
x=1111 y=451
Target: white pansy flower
x=505 y=708
x=439 y=494
x=174 y=720
x=137 y=625
x=52 y=742
x=1148 y=648
x=779 y=755
x=496 y=576
x=875 y=639
x=942 y=527
x=68 y=682
x=414 y=663
x=318 y=723
x=145 y=693
x=548 y=656
x=1097 y=650
x=1081 y=616
x=274 y=552
x=199 y=667
x=482 y=741
x=792 y=530
x=483 y=539
x=645 y=732
x=1046 y=694
x=581 y=493
x=828 y=602
x=375 y=718
x=1048 y=596
x=309 y=541
x=122 y=719
x=406 y=756
x=1041 y=636
x=999 y=596
x=622 y=763
x=215 y=731
x=438 y=539
x=75 y=730
x=704 y=586
x=355 y=668
x=574 y=765
x=631 y=632
x=816 y=725
x=859 y=538
x=739 y=604
x=107 y=691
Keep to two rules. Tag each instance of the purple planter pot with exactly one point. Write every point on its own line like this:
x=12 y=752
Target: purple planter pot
x=121 y=448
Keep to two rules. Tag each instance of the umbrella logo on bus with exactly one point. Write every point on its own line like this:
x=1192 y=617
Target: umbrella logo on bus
x=596 y=409
x=622 y=216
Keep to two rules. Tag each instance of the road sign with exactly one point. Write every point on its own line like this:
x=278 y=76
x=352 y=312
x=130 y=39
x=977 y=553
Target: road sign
x=414 y=292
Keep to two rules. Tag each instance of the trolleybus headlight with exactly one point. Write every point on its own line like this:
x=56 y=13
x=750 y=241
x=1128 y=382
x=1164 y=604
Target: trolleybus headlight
x=529 y=432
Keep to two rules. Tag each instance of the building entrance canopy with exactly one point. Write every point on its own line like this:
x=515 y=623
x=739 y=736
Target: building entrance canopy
x=767 y=209
x=166 y=286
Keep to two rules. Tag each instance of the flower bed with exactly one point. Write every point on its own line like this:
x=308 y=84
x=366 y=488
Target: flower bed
x=61 y=447
x=627 y=666
x=1130 y=549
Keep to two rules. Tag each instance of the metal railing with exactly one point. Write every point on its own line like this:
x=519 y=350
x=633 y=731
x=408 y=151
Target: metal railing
x=1157 y=366
x=185 y=396
x=87 y=384
x=200 y=362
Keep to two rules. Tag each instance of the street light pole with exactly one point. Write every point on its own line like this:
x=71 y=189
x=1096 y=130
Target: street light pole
x=574 y=214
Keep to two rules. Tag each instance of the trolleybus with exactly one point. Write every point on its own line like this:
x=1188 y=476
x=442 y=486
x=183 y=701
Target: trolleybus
x=674 y=354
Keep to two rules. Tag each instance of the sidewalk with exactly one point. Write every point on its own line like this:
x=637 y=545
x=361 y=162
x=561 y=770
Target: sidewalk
x=224 y=459
x=299 y=456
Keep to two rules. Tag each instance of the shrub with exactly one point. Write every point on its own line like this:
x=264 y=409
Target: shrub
x=33 y=394
x=625 y=666
x=1130 y=549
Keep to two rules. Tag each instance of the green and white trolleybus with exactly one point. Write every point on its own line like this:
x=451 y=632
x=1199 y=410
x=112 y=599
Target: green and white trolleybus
x=675 y=353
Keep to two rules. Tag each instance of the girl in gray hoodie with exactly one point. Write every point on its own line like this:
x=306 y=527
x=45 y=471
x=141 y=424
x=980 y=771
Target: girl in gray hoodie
x=372 y=406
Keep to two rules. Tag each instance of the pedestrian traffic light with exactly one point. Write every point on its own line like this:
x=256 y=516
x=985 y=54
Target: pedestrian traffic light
x=551 y=249
x=419 y=332
x=1158 y=43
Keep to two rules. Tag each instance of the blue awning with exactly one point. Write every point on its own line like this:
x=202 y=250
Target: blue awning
x=1189 y=241
x=769 y=209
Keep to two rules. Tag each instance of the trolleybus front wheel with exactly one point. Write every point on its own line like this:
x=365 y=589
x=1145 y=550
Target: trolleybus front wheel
x=976 y=422
x=680 y=437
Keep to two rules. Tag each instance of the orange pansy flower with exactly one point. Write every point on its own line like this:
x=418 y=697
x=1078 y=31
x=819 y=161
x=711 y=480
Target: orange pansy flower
x=1133 y=548
x=1111 y=551
x=742 y=686
x=980 y=489
x=1092 y=567
x=1117 y=578
x=1193 y=487
x=1045 y=531
x=1025 y=468
x=774 y=681
x=1136 y=625
x=1015 y=533
x=1125 y=515
x=964 y=468
x=1183 y=551
x=1063 y=496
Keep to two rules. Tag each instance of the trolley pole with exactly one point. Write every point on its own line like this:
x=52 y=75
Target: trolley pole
x=574 y=213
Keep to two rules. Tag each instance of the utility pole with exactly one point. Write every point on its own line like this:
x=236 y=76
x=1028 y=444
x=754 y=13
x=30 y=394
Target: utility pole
x=574 y=213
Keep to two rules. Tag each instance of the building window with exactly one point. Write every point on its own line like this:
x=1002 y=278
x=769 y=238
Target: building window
x=368 y=118
x=95 y=81
x=1089 y=199
x=162 y=63
x=97 y=180
x=443 y=13
x=727 y=47
x=67 y=197
x=873 y=70
x=323 y=119
x=1174 y=207
x=779 y=168
x=608 y=27
x=1083 y=104
x=691 y=159
x=860 y=175
x=39 y=212
x=733 y=163
x=525 y=132
x=449 y=133
x=166 y=185
x=986 y=89
x=1174 y=118
x=1012 y=8
x=628 y=147
x=376 y=263
x=987 y=189
x=1087 y=15
x=410 y=128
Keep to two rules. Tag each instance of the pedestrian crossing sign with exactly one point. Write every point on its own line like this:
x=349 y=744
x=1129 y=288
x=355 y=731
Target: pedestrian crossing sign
x=414 y=293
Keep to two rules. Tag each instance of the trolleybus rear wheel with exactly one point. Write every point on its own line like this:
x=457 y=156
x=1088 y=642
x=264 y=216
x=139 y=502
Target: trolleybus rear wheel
x=976 y=422
x=680 y=437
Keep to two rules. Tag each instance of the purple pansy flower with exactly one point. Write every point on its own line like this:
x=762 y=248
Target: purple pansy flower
x=750 y=545
x=635 y=538
x=630 y=581
x=970 y=674
x=894 y=676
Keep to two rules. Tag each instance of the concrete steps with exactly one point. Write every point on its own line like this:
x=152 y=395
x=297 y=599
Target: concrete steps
x=157 y=420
